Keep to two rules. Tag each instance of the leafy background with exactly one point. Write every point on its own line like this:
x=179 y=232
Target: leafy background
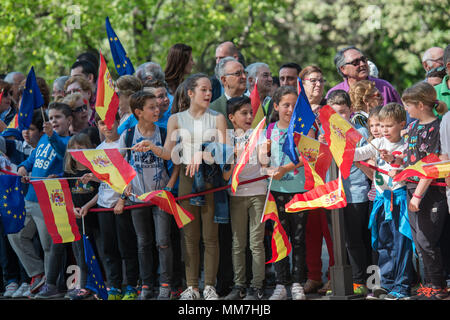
x=393 y=33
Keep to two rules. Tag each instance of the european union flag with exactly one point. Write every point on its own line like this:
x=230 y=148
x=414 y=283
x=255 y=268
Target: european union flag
x=121 y=61
x=301 y=121
x=95 y=280
x=12 y=203
x=31 y=99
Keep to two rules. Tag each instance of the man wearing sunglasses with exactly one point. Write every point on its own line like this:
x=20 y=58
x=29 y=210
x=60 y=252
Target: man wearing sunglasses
x=351 y=64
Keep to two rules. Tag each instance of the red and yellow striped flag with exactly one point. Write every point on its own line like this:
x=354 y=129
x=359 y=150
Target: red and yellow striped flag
x=107 y=102
x=245 y=156
x=430 y=167
x=107 y=165
x=330 y=196
x=257 y=107
x=316 y=158
x=55 y=200
x=281 y=247
x=341 y=137
x=14 y=123
x=166 y=201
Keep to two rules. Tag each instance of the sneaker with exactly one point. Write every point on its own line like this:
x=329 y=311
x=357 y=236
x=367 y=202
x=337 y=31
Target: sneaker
x=146 y=293
x=297 y=292
x=312 y=286
x=254 y=294
x=130 y=293
x=10 y=289
x=190 y=294
x=49 y=292
x=279 y=293
x=360 y=289
x=82 y=294
x=209 y=293
x=237 y=293
x=378 y=293
x=164 y=292
x=115 y=294
x=21 y=291
x=37 y=282
x=393 y=295
x=431 y=293
x=175 y=293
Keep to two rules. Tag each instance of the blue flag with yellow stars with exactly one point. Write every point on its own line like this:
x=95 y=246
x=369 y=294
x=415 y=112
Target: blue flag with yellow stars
x=31 y=99
x=95 y=280
x=12 y=203
x=302 y=120
x=121 y=61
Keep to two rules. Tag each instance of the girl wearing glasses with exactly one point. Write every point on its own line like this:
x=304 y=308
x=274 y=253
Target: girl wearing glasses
x=80 y=112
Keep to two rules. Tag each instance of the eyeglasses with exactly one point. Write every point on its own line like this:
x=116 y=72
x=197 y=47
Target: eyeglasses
x=441 y=59
x=314 y=81
x=73 y=91
x=236 y=74
x=80 y=108
x=266 y=75
x=357 y=61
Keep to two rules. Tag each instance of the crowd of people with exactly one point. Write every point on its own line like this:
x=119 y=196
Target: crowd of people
x=222 y=252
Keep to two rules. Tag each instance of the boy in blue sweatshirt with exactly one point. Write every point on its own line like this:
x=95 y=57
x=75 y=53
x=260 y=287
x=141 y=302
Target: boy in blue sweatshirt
x=46 y=160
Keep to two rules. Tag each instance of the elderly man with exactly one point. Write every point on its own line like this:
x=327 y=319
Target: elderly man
x=260 y=72
x=443 y=89
x=15 y=78
x=352 y=65
x=150 y=71
x=433 y=58
x=288 y=74
x=233 y=79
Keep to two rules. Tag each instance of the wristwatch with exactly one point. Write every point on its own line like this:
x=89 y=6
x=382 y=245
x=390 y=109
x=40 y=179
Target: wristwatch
x=123 y=196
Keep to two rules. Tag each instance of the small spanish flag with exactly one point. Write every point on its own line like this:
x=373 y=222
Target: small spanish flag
x=257 y=108
x=14 y=123
x=429 y=167
x=166 y=201
x=316 y=158
x=281 y=247
x=107 y=165
x=55 y=200
x=341 y=137
x=107 y=102
x=245 y=156
x=330 y=196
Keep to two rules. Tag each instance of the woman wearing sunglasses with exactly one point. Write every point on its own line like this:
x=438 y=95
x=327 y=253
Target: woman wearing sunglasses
x=7 y=110
x=80 y=112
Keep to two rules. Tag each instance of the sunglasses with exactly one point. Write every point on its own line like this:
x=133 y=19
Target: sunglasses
x=357 y=61
x=80 y=108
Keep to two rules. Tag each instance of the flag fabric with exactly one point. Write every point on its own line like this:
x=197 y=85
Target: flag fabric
x=245 y=155
x=12 y=203
x=281 y=247
x=330 y=196
x=108 y=165
x=341 y=137
x=31 y=99
x=55 y=200
x=107 y=102
x=166 y=201
x=316 y=158
x=95 y=279
x=257 y=108
x=429 y=167
x=301 y=121
x=14 y=123
x=121 y=61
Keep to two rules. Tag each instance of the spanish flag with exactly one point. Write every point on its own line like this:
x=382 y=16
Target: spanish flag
x=330 y=196
x=14 y=123
x=245 y=156
x=166 y=201
x=281 y=247
x=107 y=102
x=316 y=158
x=257 y=108
x=107 y=165
x=55 y=200
x=341 y=137
x=430 y=167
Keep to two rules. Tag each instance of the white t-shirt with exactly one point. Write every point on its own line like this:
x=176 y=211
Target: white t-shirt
x=151 y=174
x=382 y=181
x=107 y=197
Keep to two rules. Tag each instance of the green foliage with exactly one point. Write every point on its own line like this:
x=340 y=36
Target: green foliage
x=392 y=33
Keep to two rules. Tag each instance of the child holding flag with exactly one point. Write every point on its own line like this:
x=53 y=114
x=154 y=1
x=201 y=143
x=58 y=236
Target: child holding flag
x=389 y=223
x=288 y=180
x=46 y=160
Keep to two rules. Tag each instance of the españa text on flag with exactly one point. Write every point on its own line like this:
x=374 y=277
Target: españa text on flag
x=57 y=207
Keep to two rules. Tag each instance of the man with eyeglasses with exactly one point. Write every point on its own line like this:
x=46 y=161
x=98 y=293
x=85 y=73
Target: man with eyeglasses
x=433 y=58
x=351 y=64
x=260 y=72
x=443 y=88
